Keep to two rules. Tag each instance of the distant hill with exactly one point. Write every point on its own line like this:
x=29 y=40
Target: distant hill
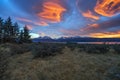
x=75 y=39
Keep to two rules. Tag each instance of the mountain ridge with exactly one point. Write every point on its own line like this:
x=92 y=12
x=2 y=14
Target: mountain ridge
x=75 y=39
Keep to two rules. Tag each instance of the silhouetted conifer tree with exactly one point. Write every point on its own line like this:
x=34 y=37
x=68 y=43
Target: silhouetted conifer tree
x=21 y=37
x=8 y=29
x=26 y=34
x=16 y=30
x=10 y=32
x=1 y=30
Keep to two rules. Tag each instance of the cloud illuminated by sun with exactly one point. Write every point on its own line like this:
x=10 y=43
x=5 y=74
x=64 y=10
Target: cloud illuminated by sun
x=107 y=7
x=89 y=14
x=106 y=35
x=52 y=12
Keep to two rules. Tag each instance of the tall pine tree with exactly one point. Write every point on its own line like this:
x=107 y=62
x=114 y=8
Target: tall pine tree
x=26 y=34
x=1 y=30
x=21 y=37
x=10 y=32
x=15 y=31
x=8 y=29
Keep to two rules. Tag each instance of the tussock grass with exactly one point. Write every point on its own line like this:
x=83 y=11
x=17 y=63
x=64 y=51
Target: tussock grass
x=71 y=65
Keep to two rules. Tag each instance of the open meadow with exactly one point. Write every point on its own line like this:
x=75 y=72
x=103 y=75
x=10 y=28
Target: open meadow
x=40 y=61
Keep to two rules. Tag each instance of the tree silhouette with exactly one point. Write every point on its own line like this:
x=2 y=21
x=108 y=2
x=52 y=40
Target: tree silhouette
x=11 y=33
x=21 y=37
x=8 y=30
x=15 y=30
x=26 y=34
x=1 y=30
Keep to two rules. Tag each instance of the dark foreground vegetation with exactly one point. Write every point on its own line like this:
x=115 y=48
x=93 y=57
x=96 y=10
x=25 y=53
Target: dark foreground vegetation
x=10 y=32
x=50 y=61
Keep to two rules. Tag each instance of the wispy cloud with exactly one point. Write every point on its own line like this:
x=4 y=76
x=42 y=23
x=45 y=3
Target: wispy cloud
x=99 y=18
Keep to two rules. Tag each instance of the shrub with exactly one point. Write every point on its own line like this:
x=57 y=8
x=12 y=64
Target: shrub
x=116 y=48
x=71 y=45
x=45 y=50
x=16 y=50
x=13 y=49
x=97 y=49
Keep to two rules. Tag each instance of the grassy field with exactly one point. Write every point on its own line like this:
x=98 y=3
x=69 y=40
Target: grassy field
x=18 y=62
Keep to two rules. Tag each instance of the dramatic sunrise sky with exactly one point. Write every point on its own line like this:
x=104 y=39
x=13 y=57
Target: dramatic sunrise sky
x=67 y=18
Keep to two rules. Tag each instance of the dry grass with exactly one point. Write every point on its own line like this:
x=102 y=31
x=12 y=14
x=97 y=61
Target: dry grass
x=71 y=65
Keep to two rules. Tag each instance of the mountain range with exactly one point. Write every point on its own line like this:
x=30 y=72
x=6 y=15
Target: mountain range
x=75 y=39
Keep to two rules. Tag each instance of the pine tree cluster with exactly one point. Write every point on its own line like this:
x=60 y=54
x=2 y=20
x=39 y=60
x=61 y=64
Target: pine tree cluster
x=10 y=32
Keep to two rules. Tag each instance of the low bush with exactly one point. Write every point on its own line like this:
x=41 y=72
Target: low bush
x=97 y=49
x=13 y=49
x=19 y=49
x=44 y=50
x=116 y=48
x=71 y=45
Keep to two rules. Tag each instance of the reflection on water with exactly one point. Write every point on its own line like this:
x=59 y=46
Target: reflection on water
x=98 y=42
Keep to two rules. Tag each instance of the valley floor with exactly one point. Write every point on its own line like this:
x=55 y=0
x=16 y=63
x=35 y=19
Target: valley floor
x=71 y=65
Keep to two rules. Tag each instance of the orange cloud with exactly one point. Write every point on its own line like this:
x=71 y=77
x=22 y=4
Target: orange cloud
x=52 y=11
x=90 y=27
x=107 y=8
x=106 y=35
x=42 y=23
x=23 y=19
x=94 y=25
x=89 y=14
